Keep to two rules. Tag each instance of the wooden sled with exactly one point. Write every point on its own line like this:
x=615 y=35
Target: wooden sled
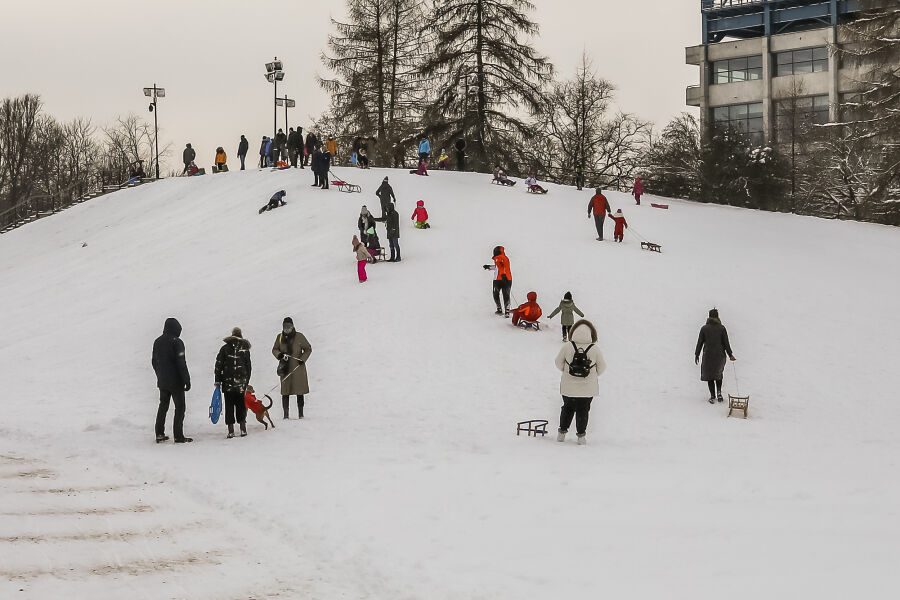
x=651 y=246
x=498 y=182
x=377 y=255
x=654 y=205
x=346 y=187
x=535 y=325
x=533 y=427
x=534 y=191
x=738 y=403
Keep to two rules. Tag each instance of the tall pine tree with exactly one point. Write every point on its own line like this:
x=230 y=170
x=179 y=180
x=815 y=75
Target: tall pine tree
x=490 y=76
x=377 y=90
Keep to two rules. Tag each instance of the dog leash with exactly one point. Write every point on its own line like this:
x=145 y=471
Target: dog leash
x=286 y=377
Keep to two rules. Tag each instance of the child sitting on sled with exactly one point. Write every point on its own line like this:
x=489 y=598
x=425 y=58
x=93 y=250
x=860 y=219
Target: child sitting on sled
x=533 y=186
x=444 y=160
x=501 y=178
x=621 y=225
x=420 y=216
x=528 y=312
x=372 y=243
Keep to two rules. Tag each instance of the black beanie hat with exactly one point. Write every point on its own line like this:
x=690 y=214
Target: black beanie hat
x=287 y=320
x=714 y=313
x=567 y=296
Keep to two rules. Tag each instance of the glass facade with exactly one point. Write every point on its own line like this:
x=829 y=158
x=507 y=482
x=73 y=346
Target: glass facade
x=747 y=68
x=795 y=116
x=746 y=118
x=808 y=60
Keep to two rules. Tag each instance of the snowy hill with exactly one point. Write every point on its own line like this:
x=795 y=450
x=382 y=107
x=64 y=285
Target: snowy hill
x=406 y=480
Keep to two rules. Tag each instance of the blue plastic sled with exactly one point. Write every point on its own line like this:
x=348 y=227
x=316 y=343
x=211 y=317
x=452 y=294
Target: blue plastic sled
x=215 y=407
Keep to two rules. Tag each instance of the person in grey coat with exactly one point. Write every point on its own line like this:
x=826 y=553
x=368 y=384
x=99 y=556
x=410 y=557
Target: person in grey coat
x=567 y=318
x=713 y=343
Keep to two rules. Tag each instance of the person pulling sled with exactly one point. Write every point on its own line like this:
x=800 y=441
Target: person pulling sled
x=502 y=279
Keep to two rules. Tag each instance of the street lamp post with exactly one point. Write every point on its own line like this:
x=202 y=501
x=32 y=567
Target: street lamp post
x=287 y=103
x=154 y=93
x=274 y=74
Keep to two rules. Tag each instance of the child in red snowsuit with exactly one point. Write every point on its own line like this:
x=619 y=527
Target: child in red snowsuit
x=530 y=311
x=420 y=216
x=621 y=225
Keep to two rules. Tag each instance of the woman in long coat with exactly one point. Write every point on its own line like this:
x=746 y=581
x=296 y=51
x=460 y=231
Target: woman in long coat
x=713 y=342
x=292 y=349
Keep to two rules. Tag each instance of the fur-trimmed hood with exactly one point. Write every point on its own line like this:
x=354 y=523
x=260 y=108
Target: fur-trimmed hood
x=233 y=339
x=583 y=331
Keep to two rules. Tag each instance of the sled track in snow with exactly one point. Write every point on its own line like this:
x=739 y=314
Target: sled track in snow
x=75 y=531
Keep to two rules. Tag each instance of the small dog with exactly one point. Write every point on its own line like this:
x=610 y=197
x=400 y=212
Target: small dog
x=259 y=409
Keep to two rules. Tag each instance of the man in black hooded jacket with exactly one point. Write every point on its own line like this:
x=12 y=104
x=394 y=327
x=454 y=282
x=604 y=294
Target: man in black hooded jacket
x=172 y=379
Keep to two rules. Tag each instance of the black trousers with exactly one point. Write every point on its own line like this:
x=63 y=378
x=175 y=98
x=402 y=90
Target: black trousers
x=460 y=161
x=235 y=408
x=395 y=245
x=598 y=221
x=306 y=156
x=178 y=424
x=293 y=155
x=318 y=178
x=715 y=387
x=565 y=330
x=286 y=404
x=504 y=287
x=574 y=407
x=323 y=179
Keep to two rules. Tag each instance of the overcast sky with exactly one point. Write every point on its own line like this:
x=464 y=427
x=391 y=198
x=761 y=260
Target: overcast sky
x=93 y=57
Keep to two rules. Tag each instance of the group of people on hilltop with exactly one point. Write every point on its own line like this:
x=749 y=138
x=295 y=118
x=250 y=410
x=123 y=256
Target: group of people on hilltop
x=232 y=372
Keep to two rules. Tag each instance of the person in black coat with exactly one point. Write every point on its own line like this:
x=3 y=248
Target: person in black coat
x=713 y=342
x=393 y=232
x=311 y=143
x=460 y=154
x=232 y=372
x=385 y=194
x=187 y=157
x=316 y=166
x=172 y=379
x=293 y=146
x=324 y=168
x=243 y=147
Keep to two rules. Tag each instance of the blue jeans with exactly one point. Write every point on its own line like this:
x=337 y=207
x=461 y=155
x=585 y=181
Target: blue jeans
x=242 y=157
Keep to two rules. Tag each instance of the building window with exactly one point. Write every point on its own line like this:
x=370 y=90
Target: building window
x=808 y=60
x=746 y=68
x=746 y=118
x=795 y=116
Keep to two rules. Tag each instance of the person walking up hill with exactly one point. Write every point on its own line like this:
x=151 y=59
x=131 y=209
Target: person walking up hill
x=599 y=207
x=713 y=343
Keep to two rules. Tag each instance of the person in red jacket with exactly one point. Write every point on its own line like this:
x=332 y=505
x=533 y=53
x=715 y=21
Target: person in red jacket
x=420 y=216
x=422 y=170
x=637 y=190
x=621 y=225
x=528 y=312
x=502 y=280
x=599 y=207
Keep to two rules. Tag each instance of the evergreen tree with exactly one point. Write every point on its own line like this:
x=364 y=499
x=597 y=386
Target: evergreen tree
x=489 y=75
x=377 y=90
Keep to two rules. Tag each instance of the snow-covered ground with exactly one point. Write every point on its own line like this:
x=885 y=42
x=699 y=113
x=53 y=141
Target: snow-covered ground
x=406 y=480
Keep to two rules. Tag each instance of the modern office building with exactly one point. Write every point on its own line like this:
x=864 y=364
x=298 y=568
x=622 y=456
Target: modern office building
x=760 y=56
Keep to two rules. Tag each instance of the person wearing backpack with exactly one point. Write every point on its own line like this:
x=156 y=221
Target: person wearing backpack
x=581 y=363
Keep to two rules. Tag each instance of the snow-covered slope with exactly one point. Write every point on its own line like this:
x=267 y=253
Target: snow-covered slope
x=406 y=480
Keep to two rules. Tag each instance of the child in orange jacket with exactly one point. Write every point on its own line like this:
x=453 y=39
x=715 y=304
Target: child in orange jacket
x=530 y=311
x=621 y=225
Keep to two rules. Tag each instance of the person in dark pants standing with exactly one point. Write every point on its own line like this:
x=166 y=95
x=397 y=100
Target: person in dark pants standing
x=243 y=147
x=187 y=157
x=713 y=343
x=232 y=373
x=311 y=143
x=293 y=146
x=325 y=167
x=502 y=279
x=581 y=364
x=460 y=154
x=316 y=167
x=172 y=379
x=393 y=232
x=292 y=350
x=599 y=206
x=385 y=194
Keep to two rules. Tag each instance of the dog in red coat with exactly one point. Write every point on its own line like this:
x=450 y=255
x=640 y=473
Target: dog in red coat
x=259 y=409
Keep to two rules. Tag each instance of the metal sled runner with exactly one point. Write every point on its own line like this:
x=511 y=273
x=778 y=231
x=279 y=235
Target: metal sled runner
x=533 y=427
x=346 y=187
x=738 y=403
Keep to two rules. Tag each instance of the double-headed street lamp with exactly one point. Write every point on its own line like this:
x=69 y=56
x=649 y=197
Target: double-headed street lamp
x=274 y=74
x=287 y=103
x=154 y=93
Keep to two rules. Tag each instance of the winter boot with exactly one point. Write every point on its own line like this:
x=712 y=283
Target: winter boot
x=230 y=432
x=162 y=438
x=300 y=403
x=499 y=310
x=561 y=436
x=712 y=399
x=582 y=440
x=186 y=440
x=243 y=430
x=285 y=404
x=720 y=398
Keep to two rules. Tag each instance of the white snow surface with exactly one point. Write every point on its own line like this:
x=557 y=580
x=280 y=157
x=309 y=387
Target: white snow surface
x=406 y=480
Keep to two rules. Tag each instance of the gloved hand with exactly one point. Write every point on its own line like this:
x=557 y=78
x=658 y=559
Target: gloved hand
x=285 y=357
x=486 y=267
x=696 y=360
x=218 y=385
x=187 y=386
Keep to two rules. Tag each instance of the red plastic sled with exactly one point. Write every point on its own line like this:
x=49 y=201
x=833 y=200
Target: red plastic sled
x=666 y=206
